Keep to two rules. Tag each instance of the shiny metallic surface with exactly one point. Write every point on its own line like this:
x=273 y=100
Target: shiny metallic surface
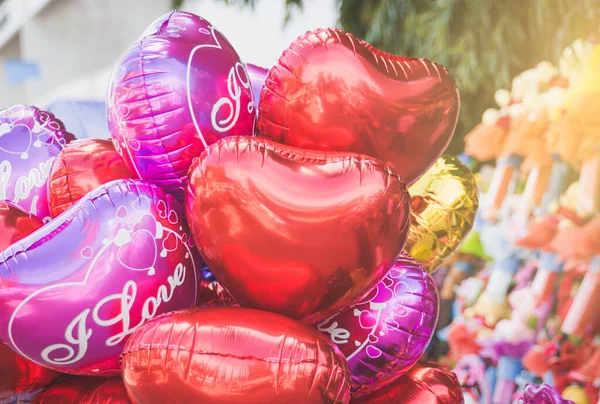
x=232 y=355
x=85 y=390
x=181 y=87
x=20 y=375
x=30 y=140
x=81 y=167
x=444 y=205
x=544 y=394
x=15 y=224
x=425 y=383
x=330 y=91
x=212 y=294
x=257 y=76
x=88 y=279
x=384 y=334
x=292 y=231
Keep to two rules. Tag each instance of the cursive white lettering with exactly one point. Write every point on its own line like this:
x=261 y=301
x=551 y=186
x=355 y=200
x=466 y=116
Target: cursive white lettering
x=78 y=334
x=36 y=178
x=237 y=79
x=79 y=339
x=338 y=336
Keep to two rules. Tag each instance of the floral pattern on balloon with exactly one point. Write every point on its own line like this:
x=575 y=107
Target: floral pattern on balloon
x=30 y=140
x=91 y=277
x=385 y=334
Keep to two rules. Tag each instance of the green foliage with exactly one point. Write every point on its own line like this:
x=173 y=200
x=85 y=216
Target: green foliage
x=484 y=43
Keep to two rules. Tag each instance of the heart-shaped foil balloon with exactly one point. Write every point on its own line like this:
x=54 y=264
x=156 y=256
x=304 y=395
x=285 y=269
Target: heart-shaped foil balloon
x=425 y=383
x=232 y=355
x=385 y=333
x=20 y=375
x=15 y=224
x=92 y=276
x=80 y=168
x=293 y=231
x=85 y=390
x=333 y=92
x=30 y=140
x=544 y=394
x=257 y=76
x=444 y=204
x=180 y=88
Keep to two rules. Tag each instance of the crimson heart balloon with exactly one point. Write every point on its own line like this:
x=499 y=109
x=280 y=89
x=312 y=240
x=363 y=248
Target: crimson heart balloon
x=425 y=383
x=20 y=375
x=92 y=276
x=333 y=92
x=85 y=390
x=384 y=334
x=232 y=355
x=15 y=224
x=180 y=88
x=296 y=232
x=81 y=167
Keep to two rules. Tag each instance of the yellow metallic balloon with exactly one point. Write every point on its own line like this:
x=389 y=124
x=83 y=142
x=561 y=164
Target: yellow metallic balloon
x=576 y=394
x=444 y=205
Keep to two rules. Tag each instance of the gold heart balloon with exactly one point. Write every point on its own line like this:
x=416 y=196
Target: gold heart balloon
x=444 y=205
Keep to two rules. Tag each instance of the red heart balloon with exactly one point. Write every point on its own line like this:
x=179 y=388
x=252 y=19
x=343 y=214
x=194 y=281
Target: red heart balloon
x=15 y=224
x=331 y=91
x=85 y=390
x=20 y=375
x=81 y=167
x=425 y=383
x=292 y=231
x=232 y=355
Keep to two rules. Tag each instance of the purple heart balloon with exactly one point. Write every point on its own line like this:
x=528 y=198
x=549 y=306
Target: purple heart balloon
x=257 y=80
x=179 y=89
x=385 y=334
x=30 y=140
x=74 y=290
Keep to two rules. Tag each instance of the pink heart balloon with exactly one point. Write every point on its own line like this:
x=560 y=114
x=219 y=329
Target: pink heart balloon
x=95 y=274
x=384 y=334
x=330 y=91
x=30 y=140
x=180 y=88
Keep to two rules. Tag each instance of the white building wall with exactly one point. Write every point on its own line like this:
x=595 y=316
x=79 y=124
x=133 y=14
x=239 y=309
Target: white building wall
x=10 y=94
x=76 y=42
x=75 y=38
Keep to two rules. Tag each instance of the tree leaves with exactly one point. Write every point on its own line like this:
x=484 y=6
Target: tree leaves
x=484 y=43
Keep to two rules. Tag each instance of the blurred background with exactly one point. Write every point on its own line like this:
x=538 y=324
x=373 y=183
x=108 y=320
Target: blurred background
x=58 y=54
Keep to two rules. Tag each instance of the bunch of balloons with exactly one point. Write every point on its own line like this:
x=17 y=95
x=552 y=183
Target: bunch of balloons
x=247 y=236
x=526 y=294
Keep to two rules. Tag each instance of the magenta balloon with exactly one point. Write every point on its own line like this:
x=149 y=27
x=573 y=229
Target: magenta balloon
x=257 y=80
x=30 y=140
x=74 y=290
x=179 y=89
x=385 y=334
